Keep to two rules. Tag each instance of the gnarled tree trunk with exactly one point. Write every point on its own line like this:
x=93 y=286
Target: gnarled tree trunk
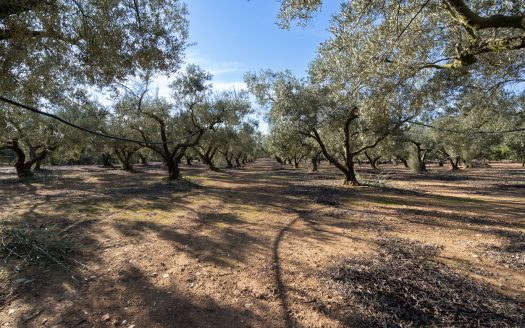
x=315 y=162
x=23 y=166
x=454 y=163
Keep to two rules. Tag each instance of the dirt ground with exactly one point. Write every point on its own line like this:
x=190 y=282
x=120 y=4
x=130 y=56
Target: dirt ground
x=264 y=245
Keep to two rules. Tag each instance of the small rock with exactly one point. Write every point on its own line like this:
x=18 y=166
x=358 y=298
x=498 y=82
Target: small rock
x=105 y=317
x=19 y=281
x=474 y=255
x=131 y=326
x=165 y=276
x=11 y=311
x=124 y=322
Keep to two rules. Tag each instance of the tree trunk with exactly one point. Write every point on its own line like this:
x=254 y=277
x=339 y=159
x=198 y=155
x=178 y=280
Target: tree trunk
x=143 y=160
x=37 y=165
x=124 y=157
x=212 y=166
x=350 y=178
x=172 y=165
x=296 y=162
x=372 y=161
x=404 y=161
x=106 y=160
x=208 y=161
x=314 y=164
x=279 y=160
x=228 y=160
x=454 y=163
x=22 y=168
x=422 y=166
x=23 y=171
x=126 y=164
x=188 y=160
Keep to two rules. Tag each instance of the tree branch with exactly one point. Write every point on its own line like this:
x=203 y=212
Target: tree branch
x=475 y=22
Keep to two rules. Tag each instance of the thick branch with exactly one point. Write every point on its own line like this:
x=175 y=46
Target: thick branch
x=475 y=22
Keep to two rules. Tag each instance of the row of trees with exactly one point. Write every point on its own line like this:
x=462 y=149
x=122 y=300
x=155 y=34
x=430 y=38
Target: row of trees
x=455 y=66
x=60 y=56
x=414 y=146
x=194 y=122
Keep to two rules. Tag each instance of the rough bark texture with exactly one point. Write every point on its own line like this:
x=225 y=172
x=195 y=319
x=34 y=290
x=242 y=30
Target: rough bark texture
x=315 y=162
x=106 y=160
x=372 y=160
x=347 y=165
x=171 y=153
x=454 y=163
x=22 y=165
x=238 y=159
x=472 y=22
x=125 y=156
x=143 y=159
x=228 y=157
x=207 y=156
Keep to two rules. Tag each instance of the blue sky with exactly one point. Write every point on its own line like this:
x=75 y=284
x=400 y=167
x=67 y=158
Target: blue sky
x=232 y=37
x=235 y=36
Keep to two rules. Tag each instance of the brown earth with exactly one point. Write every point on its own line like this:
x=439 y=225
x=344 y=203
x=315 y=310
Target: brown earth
x=250 y=247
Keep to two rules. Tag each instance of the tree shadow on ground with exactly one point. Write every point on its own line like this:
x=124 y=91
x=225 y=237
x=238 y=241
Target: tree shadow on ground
x=403 y=286
x=135 y=298
x=212 y=236
x=222 y=246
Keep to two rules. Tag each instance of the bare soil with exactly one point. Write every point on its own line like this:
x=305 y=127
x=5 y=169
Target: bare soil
x=267 y=245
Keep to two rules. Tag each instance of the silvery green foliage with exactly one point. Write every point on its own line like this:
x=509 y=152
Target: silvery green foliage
x=90 y=41
x=443 y=34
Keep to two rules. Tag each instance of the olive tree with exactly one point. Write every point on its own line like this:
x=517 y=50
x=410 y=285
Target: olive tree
x=452 y=33
x=178 y=125
x=288 y=145
x=233 y=106
x=343 y=120
x=30 y=139
x=420 y=145
x=51 y=49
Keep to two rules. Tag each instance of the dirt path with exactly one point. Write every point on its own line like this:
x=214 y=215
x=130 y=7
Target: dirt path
x=249 y=247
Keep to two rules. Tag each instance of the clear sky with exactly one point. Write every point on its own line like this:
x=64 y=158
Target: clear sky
x=235 y=36
x=232 y=37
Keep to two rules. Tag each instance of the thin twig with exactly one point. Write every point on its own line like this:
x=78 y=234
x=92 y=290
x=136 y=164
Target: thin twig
x=73 y=274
